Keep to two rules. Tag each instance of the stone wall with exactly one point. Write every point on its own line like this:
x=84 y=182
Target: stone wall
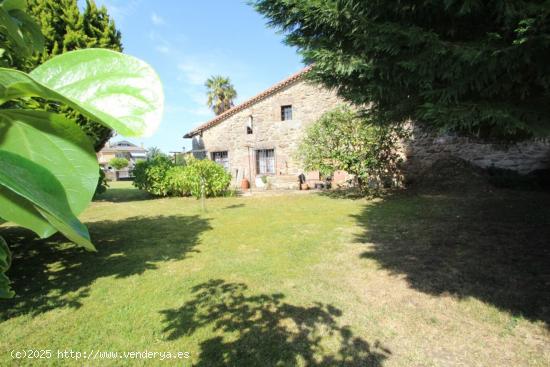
x=308 y=103
x=424 y=149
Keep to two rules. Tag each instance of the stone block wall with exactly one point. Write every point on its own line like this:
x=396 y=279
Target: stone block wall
x=425 y=148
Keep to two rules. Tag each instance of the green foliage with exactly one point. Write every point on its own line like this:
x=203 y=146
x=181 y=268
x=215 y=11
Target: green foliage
x=19 y=35
x=474 y=67
x=59 y=147
x=177 y=181
x=204 y=176
x=66 y=28
x=154 y=152
x=150 y=175
x=48 y=168
x=102 y=183
x=180 y=159
x=159 y=176
x=344 y=140
x=119 y=163
x=5 y=263
x=221 y=93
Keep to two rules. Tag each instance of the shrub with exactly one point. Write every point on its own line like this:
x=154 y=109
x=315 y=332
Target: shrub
x=176 y=181
x=101 y=183
x=118 y=163
x=344 y=140
x=204 y=174
x=159 y=176
x=150 y=175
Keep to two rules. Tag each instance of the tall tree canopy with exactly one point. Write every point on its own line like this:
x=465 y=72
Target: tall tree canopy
x=479 y=67
x=66 y=28
x=221 y=93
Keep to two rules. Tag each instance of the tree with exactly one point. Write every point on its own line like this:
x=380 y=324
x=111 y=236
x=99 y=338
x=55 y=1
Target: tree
x=221 y=93
x=344 y=140
x=475 y=67
x=154 y=152
x=118 y=163
x=66 y=28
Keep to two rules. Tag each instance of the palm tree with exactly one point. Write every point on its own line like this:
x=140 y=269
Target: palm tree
x=221 y=93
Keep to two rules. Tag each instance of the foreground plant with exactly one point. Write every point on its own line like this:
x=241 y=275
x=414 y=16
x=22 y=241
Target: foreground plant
x=48 y=167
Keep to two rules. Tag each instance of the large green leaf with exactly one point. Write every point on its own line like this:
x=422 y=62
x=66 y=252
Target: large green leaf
x=58 y=145
x=5 y=263
x=119 y=90
x=38 y=186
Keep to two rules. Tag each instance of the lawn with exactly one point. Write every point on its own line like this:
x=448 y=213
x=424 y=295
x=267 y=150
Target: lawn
x=307 y=280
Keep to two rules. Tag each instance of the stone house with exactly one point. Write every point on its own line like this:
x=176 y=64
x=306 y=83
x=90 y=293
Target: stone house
x=121 y=149
x=259 y=138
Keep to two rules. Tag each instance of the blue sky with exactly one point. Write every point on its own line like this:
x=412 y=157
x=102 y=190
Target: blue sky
x=186 y=42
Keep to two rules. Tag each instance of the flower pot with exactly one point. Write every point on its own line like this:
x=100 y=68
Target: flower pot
x=245 y=184
x=304 y=186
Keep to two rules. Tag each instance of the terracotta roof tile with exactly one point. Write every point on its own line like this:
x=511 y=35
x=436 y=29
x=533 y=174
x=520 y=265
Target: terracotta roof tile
x=266 y=93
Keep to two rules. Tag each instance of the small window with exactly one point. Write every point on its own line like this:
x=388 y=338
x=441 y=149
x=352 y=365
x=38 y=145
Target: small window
x=286 y=113
x=249 y=127
x=265 y=161
x=221 y=158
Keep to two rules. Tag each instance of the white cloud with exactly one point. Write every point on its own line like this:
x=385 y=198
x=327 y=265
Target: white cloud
x=163 y=49
x=120 y=10
x=157 y=19
x=161 y=44
x=196 y=72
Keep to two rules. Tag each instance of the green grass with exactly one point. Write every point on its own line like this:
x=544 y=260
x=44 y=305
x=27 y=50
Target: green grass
x=307 y=280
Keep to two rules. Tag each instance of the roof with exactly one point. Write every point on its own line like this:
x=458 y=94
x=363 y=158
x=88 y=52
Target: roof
x=257 y=98
x=122 y=146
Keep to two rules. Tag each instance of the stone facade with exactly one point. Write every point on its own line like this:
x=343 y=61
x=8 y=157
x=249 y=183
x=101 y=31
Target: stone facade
x=308 y=103
x=228 y=133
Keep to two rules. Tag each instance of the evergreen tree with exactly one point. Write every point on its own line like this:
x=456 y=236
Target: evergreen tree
x=479 y=67
x=66 y=28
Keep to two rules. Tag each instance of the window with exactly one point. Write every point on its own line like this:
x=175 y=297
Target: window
x=249 y=125
x=265 y=161
x=286 y=113
x=221 y=158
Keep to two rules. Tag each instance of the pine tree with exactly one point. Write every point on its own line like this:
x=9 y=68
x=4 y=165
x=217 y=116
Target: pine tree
x=478 y=67
x=66 y=28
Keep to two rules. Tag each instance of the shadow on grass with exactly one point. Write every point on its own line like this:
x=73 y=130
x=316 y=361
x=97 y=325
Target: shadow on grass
x=53 y=273
x=235 y=206
x=494 y=247
x=348 y=193
x=122 y=195
x=264 y=330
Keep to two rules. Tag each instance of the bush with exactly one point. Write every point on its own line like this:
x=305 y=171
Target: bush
x=199 y=175
x=151 y=175
x=159 y=176
x=101 y=183
x=118 y=163
x=344 y=140
x=175 y=178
